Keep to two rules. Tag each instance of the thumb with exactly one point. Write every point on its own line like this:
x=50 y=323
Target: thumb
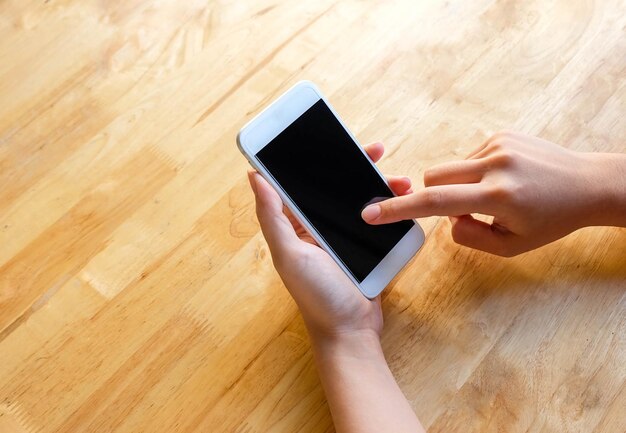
x=479 y=235
x=275 y=225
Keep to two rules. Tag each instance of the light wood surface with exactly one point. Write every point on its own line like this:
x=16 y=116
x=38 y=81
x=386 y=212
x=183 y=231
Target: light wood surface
x=136 y=291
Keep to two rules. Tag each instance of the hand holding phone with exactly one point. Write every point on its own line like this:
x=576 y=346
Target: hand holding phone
x=344 y=326
x=328 y=303
x=303 y=150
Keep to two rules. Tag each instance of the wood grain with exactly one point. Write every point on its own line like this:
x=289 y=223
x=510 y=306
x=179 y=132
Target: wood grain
x=136 y=291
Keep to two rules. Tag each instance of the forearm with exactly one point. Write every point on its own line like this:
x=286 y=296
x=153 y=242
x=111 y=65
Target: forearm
x=361 y=391
x=609 y=177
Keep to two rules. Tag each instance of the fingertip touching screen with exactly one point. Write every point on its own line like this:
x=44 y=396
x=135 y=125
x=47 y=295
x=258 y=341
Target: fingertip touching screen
x=330 y=180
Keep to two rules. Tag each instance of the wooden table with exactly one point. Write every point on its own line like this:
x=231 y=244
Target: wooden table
x=136 y=291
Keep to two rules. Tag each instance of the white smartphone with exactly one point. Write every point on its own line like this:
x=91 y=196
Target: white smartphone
x=303 y=149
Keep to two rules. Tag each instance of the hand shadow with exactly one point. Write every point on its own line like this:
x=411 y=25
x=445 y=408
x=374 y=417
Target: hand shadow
x=451 y=305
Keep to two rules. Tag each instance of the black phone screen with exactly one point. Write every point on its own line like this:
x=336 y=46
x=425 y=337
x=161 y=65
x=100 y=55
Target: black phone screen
x=330 y=180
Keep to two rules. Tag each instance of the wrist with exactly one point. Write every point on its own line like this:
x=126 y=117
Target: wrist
x=360 y=388
x=608 y=177
x=359 y=344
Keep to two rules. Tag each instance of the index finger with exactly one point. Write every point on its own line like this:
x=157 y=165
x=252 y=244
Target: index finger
x=442 y=200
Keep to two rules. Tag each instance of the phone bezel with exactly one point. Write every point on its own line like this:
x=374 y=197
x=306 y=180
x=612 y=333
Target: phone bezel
x=268 y=124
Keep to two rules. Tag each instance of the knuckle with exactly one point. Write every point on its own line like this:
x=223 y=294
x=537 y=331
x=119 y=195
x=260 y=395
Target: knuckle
x=495 y=145
x=505 y=158
x=500 y=141
x=500 y=193
x=431 y=199
x=517 y=192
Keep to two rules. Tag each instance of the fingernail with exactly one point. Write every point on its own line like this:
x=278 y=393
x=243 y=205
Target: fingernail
x=370 y=213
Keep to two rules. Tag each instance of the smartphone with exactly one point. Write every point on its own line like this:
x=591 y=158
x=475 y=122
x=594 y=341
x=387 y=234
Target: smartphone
x=303 y=149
